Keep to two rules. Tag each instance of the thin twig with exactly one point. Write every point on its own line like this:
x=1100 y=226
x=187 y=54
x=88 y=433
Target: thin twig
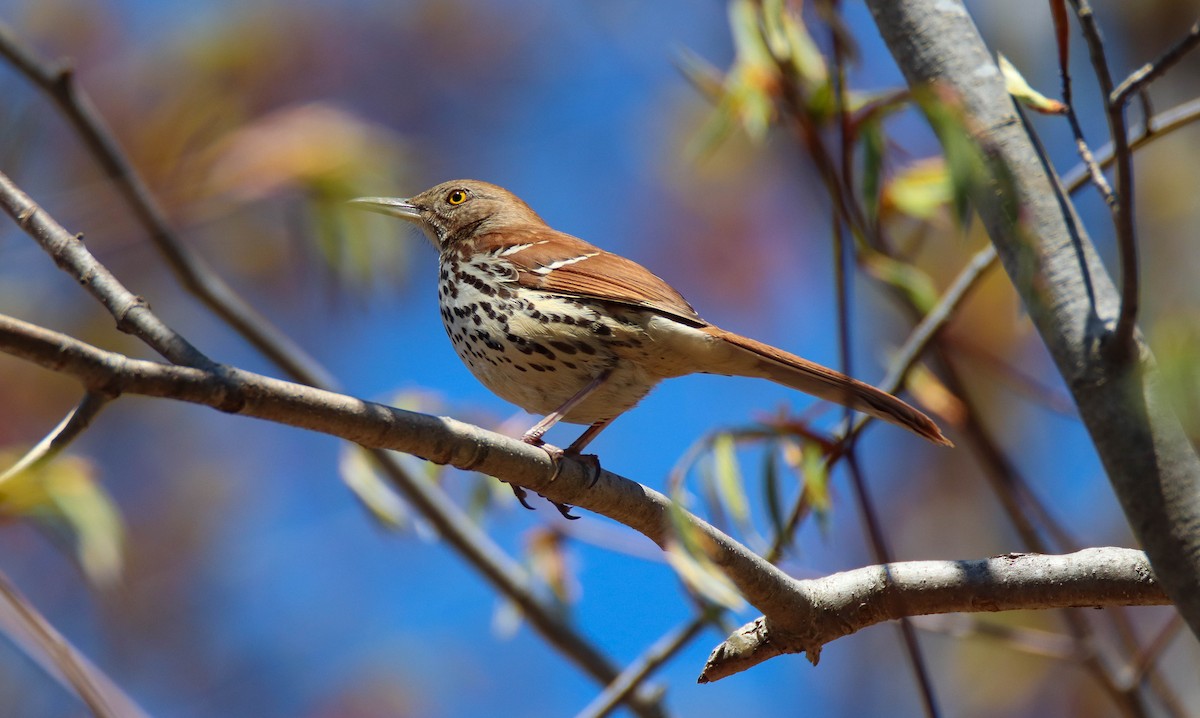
x=1145 y=659
x=931 y=324
x=844 y=260
x=28 y=628
x=663 y=650
x=1157 y=127
x=1034 y=390
x=59 y=438
x=1081 y=146
x=1151 y=71
x=1121 y=345
x=59 y=84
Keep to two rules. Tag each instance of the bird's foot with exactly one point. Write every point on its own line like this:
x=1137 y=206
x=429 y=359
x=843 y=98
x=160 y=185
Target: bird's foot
x=521 y=495
x=556 y=455
x=593 y=461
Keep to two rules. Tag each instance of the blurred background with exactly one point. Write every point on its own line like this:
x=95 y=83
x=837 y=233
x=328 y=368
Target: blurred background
x=253 y=581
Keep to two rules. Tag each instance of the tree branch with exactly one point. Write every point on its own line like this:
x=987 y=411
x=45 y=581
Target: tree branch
x=441 y=440
x=1144 y=75
x=26 y=627
x=798 y=612
x=1068 y=294
x=843 y=603
x=1122 y=344
x=135 y=316
x=70 y=428
x=58 y=83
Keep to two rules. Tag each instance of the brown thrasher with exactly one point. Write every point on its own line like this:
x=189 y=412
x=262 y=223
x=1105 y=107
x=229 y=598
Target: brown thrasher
x=562 y=328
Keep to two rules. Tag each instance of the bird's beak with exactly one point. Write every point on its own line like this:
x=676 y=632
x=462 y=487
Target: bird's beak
x=391 y=206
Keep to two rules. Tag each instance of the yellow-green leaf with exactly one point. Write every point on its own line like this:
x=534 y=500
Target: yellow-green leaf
x=380 y=500
x=774 y=498
x=1019 y=88
x=728 y=475
x=686 y=556
x=63 y=498
x=907 y=278
x=921 y=190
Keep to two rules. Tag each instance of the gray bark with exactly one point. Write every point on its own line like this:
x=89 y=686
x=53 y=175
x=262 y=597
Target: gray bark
x=1068 y=293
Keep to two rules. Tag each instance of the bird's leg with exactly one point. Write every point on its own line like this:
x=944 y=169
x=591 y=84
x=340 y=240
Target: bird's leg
x=535 y=434
x=586 y=437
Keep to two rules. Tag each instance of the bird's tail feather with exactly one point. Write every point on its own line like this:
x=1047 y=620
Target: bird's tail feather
x=755 y=359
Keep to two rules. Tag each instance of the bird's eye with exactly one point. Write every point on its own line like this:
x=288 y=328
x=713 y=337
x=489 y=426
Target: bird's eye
x=456 y=197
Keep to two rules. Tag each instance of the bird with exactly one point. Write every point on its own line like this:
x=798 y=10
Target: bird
x=567 y=330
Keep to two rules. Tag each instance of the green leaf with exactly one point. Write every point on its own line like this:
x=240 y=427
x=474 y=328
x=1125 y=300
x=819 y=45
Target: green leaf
x=1176 y=342
x=803 y=52
x=816 y=475
x=699 y=574
x=921 y=190
x=907 y=278
x=807 y=459
x=376 y=495
x=547 y=560
x=966 y=166
x=874 y=144
x=728 y=474
x=774 y=498
x=64 y=499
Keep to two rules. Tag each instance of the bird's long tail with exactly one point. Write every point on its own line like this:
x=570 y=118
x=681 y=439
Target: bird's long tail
x=755 y=359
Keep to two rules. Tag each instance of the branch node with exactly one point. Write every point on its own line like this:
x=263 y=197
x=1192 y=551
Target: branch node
x=124 y=323
x=62 y=76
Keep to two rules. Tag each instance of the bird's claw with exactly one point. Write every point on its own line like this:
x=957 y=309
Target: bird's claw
x=556 y=456
x=521 y=495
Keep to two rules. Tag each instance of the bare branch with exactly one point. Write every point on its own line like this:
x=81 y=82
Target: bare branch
x=28 y=628
x=792 y=605
x=58 y=82
x=637 y=672
x=132 y=313
x=843 y=603
x=438 y=439
x=73 y=424
x=1122 y=345
x=1151 y=71
x=1156 y=127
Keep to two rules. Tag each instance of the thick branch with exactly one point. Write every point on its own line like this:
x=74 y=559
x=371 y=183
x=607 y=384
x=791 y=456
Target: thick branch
x=843 y=603
x=797 y=610
x=438 y=439
x=1069 y=295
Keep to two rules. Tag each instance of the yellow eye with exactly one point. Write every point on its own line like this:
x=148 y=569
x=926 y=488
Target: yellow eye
x=456 y=197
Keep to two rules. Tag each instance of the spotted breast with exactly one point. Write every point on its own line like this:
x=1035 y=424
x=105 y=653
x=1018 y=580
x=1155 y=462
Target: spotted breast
x=538 y=349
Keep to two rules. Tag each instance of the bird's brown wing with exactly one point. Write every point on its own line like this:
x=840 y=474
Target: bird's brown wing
x=552 y=261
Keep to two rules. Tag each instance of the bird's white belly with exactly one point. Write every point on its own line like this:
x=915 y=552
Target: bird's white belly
x=538 y=350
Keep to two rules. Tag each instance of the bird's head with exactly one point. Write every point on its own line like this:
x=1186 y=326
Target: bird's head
x=456 y=211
